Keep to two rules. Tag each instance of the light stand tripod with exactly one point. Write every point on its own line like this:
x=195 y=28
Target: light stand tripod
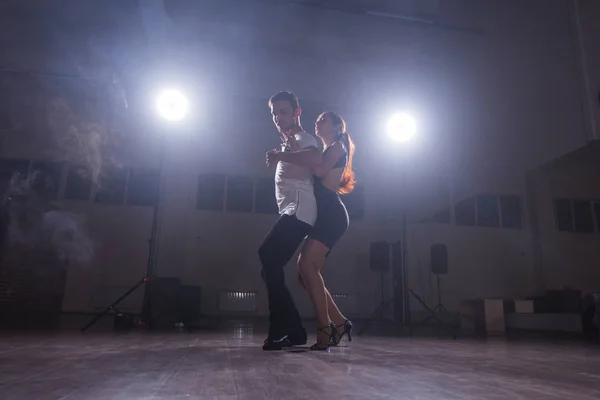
x=402 y=301
x=152 y=252
x=379 y=311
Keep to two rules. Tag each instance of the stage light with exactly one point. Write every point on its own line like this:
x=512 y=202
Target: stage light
x=402 y=127
x=172 y=105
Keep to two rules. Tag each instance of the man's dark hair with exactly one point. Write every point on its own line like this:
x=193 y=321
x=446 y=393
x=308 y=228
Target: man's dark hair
x=285 y=96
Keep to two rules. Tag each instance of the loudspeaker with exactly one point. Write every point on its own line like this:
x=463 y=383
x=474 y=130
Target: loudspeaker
x=439 y=259
x=379 y=256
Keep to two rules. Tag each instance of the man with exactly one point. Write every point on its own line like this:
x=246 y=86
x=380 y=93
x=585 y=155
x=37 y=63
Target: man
x=297 y=213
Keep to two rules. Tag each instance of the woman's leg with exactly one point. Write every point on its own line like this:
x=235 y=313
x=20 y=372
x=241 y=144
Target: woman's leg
x=310 y=261
x=334 y=312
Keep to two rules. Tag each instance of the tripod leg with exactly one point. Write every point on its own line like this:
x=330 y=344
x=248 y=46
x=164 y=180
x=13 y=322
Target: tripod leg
x=113 y=305
x=432 y=314
x=377 y=314
x=378 y=311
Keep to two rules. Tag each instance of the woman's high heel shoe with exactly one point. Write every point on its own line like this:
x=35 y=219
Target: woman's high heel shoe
x=347 y=325
x=324 y=344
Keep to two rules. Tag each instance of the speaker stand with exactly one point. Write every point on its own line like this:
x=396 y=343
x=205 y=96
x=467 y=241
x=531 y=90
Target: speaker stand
x=439 y=307
x=433 y=313
x=379 y=311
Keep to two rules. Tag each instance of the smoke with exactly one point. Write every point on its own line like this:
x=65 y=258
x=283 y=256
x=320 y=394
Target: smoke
x=86 y=114
x=85 y=132
x=80 y=141
x=34 y=223
x=64 y=230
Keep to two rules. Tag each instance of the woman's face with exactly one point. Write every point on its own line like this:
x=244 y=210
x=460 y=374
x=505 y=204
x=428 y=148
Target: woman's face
x=324 y=127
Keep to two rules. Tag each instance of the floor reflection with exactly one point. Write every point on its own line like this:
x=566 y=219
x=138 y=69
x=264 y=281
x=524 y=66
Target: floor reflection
x=243 y=331
x=209 y=365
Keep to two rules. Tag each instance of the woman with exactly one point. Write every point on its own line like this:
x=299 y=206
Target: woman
x=333 y=176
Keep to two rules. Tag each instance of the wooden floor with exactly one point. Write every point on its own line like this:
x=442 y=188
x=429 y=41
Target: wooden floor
x=231 y=365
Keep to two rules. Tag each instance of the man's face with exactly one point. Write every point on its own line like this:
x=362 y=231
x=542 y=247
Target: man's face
x=284 y=116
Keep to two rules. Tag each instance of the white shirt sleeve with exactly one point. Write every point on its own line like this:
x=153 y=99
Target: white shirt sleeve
x=306 y=140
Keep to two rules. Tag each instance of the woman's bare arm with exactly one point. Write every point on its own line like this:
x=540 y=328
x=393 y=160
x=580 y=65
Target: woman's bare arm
x=308 y=157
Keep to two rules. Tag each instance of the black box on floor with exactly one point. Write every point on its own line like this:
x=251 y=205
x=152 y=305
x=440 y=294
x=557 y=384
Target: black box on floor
x=170 y=303
x=188 y=305
x=124 y=322
x=162 y=302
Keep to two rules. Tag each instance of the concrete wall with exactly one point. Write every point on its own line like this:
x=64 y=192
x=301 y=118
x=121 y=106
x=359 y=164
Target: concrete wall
x=482 y=261
x=566 y=259
x=489 y=85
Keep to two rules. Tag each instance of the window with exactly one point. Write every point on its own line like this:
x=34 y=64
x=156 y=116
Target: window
x=79 y=183
x=355 y=203
x=464 y=212
x=47 y=179
x=111 y=187
x=264 y=196
x=510 y=211
x=142 y=189
x=10 y=168
x=563 y=215
x=574 y=215
x=211 y=192
x=487 y=211
x=240 y=194
x=442 y=216
x=582 y=216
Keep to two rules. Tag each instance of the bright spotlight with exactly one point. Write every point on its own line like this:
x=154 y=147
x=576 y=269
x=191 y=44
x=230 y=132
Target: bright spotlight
x=172 y=105
x=402 y=127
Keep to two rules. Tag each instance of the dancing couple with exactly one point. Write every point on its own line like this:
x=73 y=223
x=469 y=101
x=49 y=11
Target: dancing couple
x=307 y=188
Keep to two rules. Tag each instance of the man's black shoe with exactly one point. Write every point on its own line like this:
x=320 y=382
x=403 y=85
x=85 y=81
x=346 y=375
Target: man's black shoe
x=276 y=344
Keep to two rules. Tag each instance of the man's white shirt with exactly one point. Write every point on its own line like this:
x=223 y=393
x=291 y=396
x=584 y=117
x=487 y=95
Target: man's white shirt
x=294 y=189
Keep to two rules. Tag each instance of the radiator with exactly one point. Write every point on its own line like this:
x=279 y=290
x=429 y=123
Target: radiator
x=237 y=301
x=347 y=303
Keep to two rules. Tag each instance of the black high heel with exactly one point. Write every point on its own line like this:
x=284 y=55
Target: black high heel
x=324 y=345
x=347 y=325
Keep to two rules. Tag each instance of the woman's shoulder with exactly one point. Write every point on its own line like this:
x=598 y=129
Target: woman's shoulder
x=339 y=145
x=336 y=145
x=337 y=149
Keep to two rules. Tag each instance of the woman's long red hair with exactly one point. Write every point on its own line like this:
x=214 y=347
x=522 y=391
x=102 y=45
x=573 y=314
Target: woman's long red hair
x=348 y=180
